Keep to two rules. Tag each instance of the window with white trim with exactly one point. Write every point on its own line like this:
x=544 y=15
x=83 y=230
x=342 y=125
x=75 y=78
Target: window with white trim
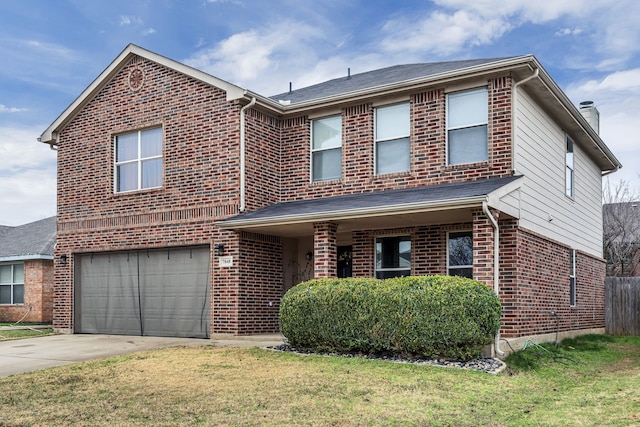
x=326 y=149
x=392 y=127
x=138 y=160
x=12 y=283
x=569 y=164
x=393 y=256
x=460 y=254
x=467 y=117
x=572 y=280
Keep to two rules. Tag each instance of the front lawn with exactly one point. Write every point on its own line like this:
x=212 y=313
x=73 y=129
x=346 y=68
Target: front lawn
x=591 y=381
x=22 y=333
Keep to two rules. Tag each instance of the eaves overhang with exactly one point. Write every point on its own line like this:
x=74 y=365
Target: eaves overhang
x=28 y=257
x=574 y=122
x=345 y=214
x=377 y=204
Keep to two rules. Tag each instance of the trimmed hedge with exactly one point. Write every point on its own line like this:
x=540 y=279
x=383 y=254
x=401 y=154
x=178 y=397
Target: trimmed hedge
x=433 y=316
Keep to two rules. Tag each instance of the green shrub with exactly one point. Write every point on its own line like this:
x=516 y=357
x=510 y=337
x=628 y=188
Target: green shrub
x=422 y=315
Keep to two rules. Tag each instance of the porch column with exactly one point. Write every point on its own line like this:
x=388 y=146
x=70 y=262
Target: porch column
x=325 y=250
x=483 y=236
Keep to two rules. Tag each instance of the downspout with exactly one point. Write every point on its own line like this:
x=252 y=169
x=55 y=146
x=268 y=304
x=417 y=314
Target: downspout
x=514 y=125
x=242 y=153
x=496 y=263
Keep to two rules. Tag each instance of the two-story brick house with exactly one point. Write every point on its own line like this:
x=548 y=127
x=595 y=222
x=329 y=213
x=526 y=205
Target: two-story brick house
x=187 y=205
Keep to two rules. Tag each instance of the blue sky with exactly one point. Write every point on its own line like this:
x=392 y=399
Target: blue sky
x=52 y=50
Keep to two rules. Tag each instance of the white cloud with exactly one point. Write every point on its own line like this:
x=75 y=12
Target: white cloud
x=263 y=59
x=569 y=32
x=27 y=177
x=5 y=109
x=148 y=32
x=442 y=33
x=130 y=20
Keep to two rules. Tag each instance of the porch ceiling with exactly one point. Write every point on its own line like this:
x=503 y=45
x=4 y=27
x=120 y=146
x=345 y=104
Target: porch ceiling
x=435 y=204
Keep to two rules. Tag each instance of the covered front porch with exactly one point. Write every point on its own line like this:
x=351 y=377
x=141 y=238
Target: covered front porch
x=440 y=229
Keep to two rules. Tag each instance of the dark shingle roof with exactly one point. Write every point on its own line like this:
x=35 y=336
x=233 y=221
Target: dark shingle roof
x=377 y=199
x=381 y=77
x=36 y=238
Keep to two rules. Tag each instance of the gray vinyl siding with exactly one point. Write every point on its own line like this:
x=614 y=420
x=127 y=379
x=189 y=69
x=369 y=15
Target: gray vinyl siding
x=540 y=157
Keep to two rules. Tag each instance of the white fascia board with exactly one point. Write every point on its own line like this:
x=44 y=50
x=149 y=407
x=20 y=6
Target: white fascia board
x=572 y=110
x=49 y=136
x=26 y=257
x=345 y=214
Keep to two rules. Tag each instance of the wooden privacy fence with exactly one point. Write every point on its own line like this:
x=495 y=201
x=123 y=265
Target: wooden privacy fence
x=622 y=305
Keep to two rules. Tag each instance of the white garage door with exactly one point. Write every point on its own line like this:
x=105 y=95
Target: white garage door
x=162 y=292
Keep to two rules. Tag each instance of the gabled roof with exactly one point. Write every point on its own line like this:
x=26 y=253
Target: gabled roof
x=35 y=240
x=49 y=136
x=377 y=203
x=363 y=87
x=377 y=78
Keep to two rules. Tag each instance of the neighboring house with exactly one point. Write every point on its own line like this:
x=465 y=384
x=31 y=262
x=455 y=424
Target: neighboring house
x=622 y=238
x=26 y=271
x=187 y=205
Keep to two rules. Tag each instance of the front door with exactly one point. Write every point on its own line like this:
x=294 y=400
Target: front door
x=344 y=261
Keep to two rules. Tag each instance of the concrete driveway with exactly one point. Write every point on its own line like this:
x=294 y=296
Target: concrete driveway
x=30 y=354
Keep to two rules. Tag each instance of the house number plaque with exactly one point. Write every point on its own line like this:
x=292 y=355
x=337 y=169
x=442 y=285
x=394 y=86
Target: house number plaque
x=225 y=261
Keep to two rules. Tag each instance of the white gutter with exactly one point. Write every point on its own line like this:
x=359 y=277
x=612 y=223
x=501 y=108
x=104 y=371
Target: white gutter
x=242 y=154
x=343 y=214
x=496 y=264
x=26 y=257
x=514 y=124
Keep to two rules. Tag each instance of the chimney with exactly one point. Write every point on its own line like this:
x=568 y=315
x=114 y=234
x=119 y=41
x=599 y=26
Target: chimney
x=591 y=114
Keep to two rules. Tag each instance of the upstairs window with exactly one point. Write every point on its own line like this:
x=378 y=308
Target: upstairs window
x=138 y=160
x=393 y=256
x=12 y=283
x=460 y=254
x=467 y=114
x=326 y=149
x=569 y=176
x=392 y=138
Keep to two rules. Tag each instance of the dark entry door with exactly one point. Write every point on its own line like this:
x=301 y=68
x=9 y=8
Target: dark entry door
x=344 y=261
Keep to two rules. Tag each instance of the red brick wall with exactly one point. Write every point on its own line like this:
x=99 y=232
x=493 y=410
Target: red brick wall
x=533 y=273
x=200 y=182
x=428 y=148
x=324 y=250
x=262 y=162
x=542 y=285
x=38 y=295
x=262 y=283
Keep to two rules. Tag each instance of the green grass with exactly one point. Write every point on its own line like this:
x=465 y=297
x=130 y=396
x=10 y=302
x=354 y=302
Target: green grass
x=23 y=333
x=590 y=381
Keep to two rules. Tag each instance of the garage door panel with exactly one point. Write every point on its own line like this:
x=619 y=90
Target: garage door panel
x=156 y=292
x=108 y=300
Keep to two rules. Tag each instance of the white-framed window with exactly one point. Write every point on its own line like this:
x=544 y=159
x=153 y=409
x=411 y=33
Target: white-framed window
x=572 y=280
x=569 y=168
x=460 y=254
x=138 y=160
x=326 y=149
x=392 y=128
x=467 y=117
x=393 y=256
x=12 y=283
